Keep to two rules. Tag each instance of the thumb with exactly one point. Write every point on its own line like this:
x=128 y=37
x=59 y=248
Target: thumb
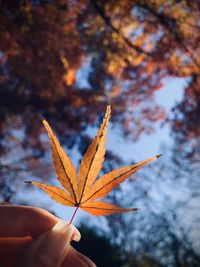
x=50 y=248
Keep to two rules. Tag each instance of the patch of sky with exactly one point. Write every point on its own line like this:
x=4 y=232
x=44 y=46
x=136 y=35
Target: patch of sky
x=171 y=93
x=82 y=74
x=148 y=145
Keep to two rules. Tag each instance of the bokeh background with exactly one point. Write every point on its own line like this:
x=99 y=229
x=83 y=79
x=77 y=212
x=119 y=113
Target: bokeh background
x=65 y=60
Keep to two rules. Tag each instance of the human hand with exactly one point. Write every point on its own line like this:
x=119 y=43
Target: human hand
x=32 y=237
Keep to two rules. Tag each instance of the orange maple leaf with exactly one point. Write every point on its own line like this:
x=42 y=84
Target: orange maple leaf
x=82 y=189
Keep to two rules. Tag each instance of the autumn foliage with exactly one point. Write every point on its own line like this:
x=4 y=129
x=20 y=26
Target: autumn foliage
x=43 y=45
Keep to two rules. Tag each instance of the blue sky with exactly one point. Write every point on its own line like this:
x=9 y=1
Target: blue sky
x=149 y=145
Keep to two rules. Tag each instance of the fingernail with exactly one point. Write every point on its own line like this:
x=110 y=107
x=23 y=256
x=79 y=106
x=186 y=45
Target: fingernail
x=55 y=245
x=60 y=226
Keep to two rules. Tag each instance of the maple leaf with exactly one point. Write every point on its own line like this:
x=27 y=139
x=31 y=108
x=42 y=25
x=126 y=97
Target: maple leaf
x=81 y=190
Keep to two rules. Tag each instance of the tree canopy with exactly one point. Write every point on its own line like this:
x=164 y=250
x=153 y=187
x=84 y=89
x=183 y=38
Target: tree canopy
x=66 y=59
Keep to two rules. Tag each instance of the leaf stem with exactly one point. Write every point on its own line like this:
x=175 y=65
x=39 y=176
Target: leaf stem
x=74 y=214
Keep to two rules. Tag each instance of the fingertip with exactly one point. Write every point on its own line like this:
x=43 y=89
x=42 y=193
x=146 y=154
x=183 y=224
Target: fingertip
x=70 y=229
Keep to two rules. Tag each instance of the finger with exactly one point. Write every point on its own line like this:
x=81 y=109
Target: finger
x=74 y=258
x=49 y=249
x=19 y=221
x=10 y=249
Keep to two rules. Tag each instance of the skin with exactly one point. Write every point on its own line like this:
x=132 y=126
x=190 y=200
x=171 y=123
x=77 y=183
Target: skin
x=32 y=237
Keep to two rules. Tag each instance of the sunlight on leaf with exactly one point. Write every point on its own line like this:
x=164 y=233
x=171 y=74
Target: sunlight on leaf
x=83 y=189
